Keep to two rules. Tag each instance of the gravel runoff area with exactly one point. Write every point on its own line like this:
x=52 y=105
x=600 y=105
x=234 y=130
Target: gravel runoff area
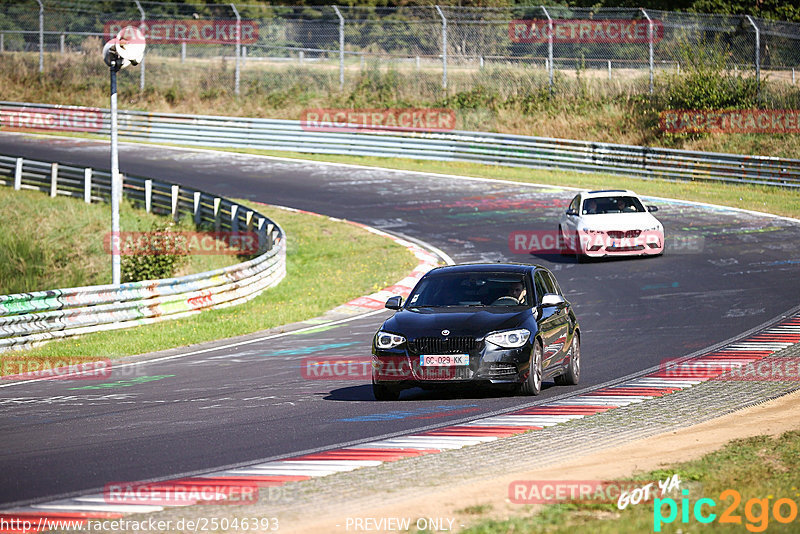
x=305 y=506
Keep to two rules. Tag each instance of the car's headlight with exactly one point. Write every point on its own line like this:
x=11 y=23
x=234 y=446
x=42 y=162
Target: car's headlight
x=385 y=340
x=510 y=340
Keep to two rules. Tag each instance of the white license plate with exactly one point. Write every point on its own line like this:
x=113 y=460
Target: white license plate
x=440 y=360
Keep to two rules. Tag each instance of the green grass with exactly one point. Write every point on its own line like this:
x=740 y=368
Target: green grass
x=761 y=467
x=328 y=263
x=50 y=243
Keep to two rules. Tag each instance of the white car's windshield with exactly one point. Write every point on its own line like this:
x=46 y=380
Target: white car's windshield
x=615 y=204
x=470 y=289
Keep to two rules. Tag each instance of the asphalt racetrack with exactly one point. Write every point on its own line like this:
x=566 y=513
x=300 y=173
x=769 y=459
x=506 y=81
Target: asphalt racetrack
x=723 y=273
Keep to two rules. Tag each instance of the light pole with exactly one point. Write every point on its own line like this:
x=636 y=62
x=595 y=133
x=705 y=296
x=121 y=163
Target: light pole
x=127 y=48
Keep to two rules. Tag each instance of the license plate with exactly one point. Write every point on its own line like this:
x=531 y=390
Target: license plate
x=441 y=360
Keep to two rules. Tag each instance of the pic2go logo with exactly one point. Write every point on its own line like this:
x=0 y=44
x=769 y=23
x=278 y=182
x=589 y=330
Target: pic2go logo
x=756 y=511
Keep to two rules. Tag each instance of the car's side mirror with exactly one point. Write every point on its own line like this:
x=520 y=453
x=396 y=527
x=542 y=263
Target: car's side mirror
x=571 y=212
x=652 y=208
x=552 y=299
x=395 y=302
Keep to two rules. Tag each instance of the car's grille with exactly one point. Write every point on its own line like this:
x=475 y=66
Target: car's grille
x=619 y=234
x=625 y=249
x=438 y=345
x=442 y=374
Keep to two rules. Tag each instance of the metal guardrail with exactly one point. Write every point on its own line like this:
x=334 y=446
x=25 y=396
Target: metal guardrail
x=478 y=147
x=35 y=317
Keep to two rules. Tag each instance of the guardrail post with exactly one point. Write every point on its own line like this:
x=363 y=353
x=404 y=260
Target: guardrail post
x=148 y=195
x=757 y=58
x=234 y=218
x=217 y=222
x=143 y=27
x=53 y=179
x=176 y=191
x=41 y=36
x=444 y=47
x=650 y=45
x=18 y=175
x=196 y=208
x=262 y=238
x=87 y=185
x=341 y=47
x=549 y=48
x=237 y=74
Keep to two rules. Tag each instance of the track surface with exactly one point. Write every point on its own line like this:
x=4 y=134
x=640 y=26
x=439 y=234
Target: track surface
x=231 y=406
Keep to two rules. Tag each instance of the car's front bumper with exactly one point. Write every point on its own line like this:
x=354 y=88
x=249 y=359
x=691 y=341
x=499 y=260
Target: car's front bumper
x=489 y=364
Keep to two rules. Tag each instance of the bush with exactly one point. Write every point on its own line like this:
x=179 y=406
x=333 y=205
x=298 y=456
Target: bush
x=149 y=258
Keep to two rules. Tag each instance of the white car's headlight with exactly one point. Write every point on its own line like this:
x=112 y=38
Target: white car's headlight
x=385 y=340
x=510 y=340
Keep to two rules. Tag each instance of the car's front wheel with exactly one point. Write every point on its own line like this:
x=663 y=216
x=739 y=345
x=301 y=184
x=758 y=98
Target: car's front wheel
x=573 y=374
x=533 y=384
x=382 y=392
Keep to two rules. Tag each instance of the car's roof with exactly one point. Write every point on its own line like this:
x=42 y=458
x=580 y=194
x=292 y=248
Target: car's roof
x=607 y=192
x=486 y=268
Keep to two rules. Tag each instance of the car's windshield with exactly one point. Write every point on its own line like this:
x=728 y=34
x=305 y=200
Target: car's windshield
x=615 y=204
x=470 y=289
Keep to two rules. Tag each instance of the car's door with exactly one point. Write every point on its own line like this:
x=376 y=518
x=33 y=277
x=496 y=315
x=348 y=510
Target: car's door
x=571 y=219
x=550 y=321
x=560 y=320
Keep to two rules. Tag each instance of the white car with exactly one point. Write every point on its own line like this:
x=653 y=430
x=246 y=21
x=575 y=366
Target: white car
x=612 y=222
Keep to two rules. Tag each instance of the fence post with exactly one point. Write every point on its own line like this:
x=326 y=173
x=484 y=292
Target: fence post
x=217 y=222
x=792 y=75
x=758 y=52
x=549 y=48
x=176 y=191
x=609 y=69
x=18 y=175
x=2 y=43
x=61 y=47
x=234 y=217
x=41 y=36
x=341 y=46
x=87 y=185
x=143 y=27
x=649 y=45
x=444 y=47
x=148 y=195
x=196 y=208
x=53 y=179
x=238 y=48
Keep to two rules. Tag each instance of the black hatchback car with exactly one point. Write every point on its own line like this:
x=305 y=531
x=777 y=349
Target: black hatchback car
x=483 y=324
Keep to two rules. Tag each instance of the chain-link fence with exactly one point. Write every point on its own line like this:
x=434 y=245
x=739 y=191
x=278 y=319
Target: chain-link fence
x=243 y=48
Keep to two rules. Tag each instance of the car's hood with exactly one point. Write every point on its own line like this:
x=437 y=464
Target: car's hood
x=619 y=221
x=475 y=322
